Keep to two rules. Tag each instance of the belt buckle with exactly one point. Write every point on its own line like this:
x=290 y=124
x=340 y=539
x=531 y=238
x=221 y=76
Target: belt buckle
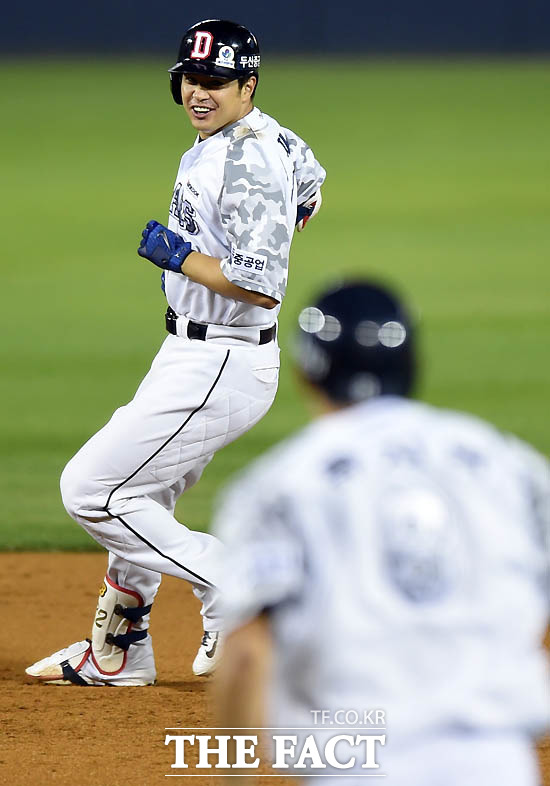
x=196 y=331
x=171 y=319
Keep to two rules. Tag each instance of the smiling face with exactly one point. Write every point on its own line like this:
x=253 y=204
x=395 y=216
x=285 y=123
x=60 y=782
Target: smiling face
x=213 y=103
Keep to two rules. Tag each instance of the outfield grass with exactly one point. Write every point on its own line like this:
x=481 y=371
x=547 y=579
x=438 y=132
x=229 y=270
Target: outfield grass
x=438 y=178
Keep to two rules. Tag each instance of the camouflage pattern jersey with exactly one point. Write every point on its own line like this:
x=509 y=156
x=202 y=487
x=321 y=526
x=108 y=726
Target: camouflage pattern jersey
x=235 y=198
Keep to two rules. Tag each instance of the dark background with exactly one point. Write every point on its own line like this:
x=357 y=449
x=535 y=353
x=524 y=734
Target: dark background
x=345 y=26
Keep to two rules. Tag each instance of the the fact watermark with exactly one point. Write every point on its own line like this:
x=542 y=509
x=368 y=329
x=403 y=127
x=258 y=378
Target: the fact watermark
x=338 y=741
x=366 y=718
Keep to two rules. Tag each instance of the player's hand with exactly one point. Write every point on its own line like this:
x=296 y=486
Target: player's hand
x=308 y=209
x=163 y=247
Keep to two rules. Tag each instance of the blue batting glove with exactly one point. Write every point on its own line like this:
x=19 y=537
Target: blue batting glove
x=163 y=247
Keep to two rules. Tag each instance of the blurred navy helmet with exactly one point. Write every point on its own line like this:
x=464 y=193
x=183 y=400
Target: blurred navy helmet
x=356 y=342
x=215 y=47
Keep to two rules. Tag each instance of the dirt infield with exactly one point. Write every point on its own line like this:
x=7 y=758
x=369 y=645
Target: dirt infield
x=97 y=736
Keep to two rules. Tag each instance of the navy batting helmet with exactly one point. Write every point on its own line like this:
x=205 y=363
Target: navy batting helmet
x=215 y=47
x=355 y=342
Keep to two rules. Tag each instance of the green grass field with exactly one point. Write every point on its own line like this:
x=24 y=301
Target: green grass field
x=438 y=179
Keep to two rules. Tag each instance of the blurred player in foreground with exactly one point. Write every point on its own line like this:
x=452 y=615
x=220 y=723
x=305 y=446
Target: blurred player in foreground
x=392 y=555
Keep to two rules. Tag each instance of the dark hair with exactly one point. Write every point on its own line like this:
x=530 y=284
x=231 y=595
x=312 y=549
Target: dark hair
x=242 y=80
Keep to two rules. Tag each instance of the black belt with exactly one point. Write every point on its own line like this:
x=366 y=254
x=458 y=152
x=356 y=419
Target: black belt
x=199 y=331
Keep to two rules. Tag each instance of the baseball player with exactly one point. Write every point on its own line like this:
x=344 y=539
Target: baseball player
x=239 y=193
x=394 y=556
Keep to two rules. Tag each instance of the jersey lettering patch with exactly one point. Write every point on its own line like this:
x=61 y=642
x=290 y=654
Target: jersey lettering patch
x=184 y=212
x=282 y=140
x=243 y=260
x=192 y=189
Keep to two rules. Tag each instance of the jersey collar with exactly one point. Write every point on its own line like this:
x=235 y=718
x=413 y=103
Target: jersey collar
x=254 y=120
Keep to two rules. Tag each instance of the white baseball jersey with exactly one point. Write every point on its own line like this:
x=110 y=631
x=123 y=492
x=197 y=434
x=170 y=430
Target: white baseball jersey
x=235 y=199
x=402 y=553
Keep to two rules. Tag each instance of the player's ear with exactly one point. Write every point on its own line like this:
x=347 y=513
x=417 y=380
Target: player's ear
x=248 y=87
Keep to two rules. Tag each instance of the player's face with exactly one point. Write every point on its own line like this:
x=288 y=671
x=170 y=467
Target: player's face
x=213 y=103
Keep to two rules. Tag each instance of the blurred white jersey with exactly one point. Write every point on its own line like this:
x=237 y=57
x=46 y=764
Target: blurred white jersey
x=401 y=552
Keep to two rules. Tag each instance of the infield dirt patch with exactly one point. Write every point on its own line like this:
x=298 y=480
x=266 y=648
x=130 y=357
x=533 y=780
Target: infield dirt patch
x=96 y=736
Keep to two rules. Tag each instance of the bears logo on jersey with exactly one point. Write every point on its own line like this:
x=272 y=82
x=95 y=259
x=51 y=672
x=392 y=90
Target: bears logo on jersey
x=184 y=212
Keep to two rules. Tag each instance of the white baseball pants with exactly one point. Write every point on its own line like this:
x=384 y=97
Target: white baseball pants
x=123 y=484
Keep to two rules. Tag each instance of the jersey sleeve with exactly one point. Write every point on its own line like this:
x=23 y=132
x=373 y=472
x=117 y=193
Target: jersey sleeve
x=264 y=560
x=254 y=205
x=310 y=175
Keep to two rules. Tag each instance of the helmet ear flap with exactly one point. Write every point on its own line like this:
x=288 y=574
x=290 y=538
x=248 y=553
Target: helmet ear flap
x=175 y=87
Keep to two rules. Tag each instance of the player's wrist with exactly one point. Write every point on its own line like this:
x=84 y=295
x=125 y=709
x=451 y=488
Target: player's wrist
x=176 y=261
x=189 y=257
